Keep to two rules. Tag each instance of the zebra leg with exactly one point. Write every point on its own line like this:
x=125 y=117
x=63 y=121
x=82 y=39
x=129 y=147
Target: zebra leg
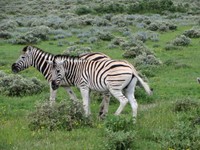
x=121 y=98
x=104 y=105
x=52 y=95
x=86 y=100
x=129 y=92
x=71 y=93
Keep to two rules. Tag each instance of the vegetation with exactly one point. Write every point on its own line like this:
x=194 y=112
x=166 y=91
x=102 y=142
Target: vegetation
x=161 y=39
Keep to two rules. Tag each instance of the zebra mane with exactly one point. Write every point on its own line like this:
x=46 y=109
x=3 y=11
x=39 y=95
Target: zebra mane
x=66 y=57
x=34 y=47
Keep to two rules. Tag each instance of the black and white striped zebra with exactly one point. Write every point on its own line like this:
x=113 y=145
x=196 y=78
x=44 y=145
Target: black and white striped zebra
x=33 y=56
x=117 y=77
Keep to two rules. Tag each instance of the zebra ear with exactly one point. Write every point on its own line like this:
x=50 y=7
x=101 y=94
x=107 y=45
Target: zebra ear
x=50 y=62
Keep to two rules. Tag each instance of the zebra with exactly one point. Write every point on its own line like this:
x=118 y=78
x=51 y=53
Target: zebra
x=112 y=76
x=34 y=56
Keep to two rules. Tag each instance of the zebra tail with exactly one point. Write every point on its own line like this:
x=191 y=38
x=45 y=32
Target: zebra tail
x=144 y=84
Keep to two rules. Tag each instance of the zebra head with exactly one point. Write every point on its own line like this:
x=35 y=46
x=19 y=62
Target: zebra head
x=24 y=61
x=57 y=71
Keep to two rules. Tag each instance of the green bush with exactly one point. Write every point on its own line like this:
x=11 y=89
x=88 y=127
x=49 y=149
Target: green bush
x=76 y=50
x=82 y=10
x=119 y=123
x=192 y=33
x=60 y=116
x=105 y=36
x=155 y=6
x=16 y=85
x=135 y=48
x=185 y=105
x=184 y=134
x=33 y=37
x=119 y=140
x=119 y=132
x=181 y=40
x=150 y=60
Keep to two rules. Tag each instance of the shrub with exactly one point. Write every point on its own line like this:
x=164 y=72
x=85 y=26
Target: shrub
x=117 y=41
x=185 y=105
x=119 y=140
x=33 y=37
x=143 y=60
x=170 y=46
x=119 y=123
x=8 y=25
x=111 y=7
x=135 y=48
x=161 y=26
x=185 y=132
x=105 y=36
x=61 y=116
x=119 y=20
x=82 y=10
x=16 y=85
x=119 y=132
x=76 y=50
x=5 y=35
x=192 y=33
x=27 y=38
x=181 y=40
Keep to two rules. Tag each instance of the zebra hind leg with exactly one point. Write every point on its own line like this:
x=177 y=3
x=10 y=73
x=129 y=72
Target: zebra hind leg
x=121 y=98
x=129 y=92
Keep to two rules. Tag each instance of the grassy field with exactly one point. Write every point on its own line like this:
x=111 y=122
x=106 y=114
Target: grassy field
x=172 y=81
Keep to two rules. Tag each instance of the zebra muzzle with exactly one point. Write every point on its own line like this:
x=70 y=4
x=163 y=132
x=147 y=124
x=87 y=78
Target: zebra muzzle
x=54 y=85
x=15 y=69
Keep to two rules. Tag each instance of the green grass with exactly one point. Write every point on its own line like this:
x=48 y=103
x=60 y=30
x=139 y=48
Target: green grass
x=176 y=81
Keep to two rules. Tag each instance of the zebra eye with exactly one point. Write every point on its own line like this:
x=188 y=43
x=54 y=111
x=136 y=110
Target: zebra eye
x=57 y=71
x=23 y=57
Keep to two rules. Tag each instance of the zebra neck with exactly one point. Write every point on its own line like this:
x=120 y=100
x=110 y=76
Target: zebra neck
x=73 y=69
x=39 y=61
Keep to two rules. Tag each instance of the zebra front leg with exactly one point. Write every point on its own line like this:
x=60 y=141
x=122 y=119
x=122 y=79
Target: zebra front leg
x=104 y=105
x=52 y=95
x=86 y=100
x=71 y=94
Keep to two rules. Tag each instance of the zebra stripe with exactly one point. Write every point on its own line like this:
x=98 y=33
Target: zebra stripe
x=33 y=56
x=106 y=75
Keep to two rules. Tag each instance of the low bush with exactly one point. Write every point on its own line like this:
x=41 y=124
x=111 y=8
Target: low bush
x=170 y=46
x=60 y=116
x=150 y=60
x=119 y=123
x=192 y=33
x=135 y=48
x=8 y=25
x=181 y=40
x=161 y=26
x=105 y=36
x=185 y=105
x=119 y=140
x=5 y=35
x=16 y=85
x=185 y=132
x=82 y=10
x=33 y=37
x=119 y=132
x=76 y=50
